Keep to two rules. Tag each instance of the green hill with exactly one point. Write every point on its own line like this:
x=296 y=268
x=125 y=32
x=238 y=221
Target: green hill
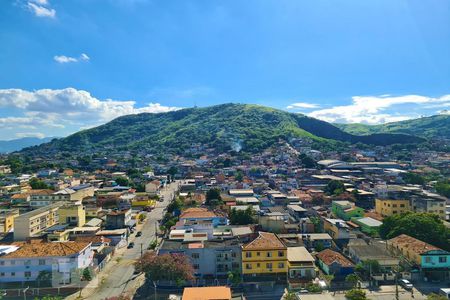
x=428 y=127
x=223 y=127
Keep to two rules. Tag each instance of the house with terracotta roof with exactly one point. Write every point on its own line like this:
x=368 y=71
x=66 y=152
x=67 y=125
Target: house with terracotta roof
x=266 y=255
x=24 y=261
x=202 y=215
x=334 y=263
x=434 y=262
x=207 y=293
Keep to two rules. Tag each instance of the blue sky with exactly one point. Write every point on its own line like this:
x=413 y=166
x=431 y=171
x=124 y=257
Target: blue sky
x=69 y=65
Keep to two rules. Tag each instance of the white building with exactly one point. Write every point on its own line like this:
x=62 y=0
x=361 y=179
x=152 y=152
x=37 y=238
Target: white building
x=24 y=262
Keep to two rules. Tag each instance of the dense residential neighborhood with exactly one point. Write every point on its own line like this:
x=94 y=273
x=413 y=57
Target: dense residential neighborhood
x=260 y=223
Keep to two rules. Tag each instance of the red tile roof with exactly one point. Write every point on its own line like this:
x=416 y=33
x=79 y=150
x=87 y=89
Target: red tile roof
x=329 y=256
x=413 y=244
x=265 y=240
x=197 y=212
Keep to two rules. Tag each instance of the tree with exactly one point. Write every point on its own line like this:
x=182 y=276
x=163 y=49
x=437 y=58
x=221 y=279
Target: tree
x=234 y=277
x=443 y=188
x=172 y=267
x=37 y=184
x=239 y=176
x=213 y=197
x=313 y=288
x=44 y=277
x=334 y=187
x=434 y=296
x=242 y=217
x=306 y=161
x=353 y=279
x=355 y=294
x=172 y=171
x=413 y=178
x=422 y=226
x=289 y=296
x=122 y=181
x=87 y=274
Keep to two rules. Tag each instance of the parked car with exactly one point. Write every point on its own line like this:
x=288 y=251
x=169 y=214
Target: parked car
x=139 y=233
x=406 y=284
x=130 y=245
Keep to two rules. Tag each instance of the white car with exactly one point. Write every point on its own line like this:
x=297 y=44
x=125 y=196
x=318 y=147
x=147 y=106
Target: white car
x=406 y=284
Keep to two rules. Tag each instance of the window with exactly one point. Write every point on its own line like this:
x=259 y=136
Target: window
x=258 y=265
x=27 y=274
x=2 y=263
x=2 y=274
x=13 y=262
x=13 y=274
x=269 y=254
x=248 y=254
x=196 y=266
x=196 y=255
x=248 y=266
x=428 y=259
x=280 y=265
x=442 y=259
x=402 y=205
x=394 y=211
x=233 y=254
x=269 y=265
x=394 y=205
x=280 y=253
x=258 y=253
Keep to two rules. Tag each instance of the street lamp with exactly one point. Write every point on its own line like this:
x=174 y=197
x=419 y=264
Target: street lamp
x=25 y=292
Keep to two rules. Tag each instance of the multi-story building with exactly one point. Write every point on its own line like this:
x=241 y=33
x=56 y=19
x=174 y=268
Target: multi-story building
x=32 y=223
x=429 y=203
x=22 y=262
x=72 y=214
x=209 y=258
x=301 y=264
x=118 y=219
x=7 y=219
x=265 y=255
x=389 y=207
x=40 y=198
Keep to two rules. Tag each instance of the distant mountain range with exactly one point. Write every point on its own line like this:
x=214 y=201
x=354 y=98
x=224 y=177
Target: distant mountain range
x=427 y=127
x=19 y=144
x=251 y=128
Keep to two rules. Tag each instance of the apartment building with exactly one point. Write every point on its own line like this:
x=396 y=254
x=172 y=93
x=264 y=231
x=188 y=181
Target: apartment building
x=265 y=255
x=7 y=219
x=24 y=261
x=390 y=207
x=32 y=223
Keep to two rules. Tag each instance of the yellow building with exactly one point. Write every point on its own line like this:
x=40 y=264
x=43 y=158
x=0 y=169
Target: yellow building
x=72 y=214
x=265 y=255
x=389 y=207
x=7 y=219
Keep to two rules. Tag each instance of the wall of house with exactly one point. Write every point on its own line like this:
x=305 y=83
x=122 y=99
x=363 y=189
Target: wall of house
x=264 y=261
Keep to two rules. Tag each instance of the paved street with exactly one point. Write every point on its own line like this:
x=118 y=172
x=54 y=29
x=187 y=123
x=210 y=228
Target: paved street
x=118 y=276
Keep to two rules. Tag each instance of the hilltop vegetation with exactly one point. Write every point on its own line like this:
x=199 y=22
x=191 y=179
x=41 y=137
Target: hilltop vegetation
x=251 y=128
x=428 y=127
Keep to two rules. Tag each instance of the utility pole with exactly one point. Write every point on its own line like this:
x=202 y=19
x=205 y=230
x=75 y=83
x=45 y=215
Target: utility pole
x=396 y=285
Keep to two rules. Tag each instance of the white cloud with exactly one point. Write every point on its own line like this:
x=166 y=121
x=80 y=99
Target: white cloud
x=30 y=134
x=41 y=2
x=64 y=108
x=374 y=109
x=62 y=59
x=39 y=10
x=84 y=56
x=300 y=105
